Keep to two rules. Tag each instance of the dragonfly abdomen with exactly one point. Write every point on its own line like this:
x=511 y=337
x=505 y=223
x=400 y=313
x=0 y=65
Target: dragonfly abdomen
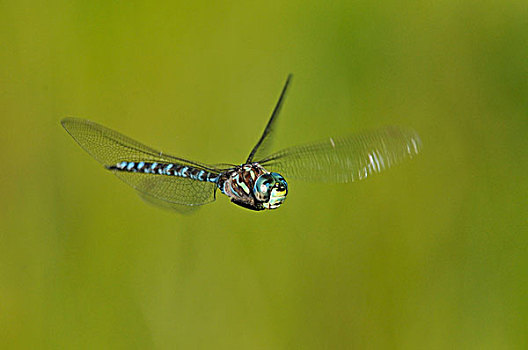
x=168 y=169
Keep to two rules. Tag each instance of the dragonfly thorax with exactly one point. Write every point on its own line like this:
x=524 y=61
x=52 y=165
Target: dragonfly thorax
x=253 y=187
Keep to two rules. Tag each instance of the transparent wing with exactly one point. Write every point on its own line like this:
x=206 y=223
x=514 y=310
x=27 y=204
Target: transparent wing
x=186 y=195
x=263 y=144
x=172 y=190
x=110 y=147
x=346 y=159
x=180 y=208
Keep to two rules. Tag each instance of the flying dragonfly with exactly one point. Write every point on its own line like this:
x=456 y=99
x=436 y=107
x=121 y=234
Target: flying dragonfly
x=257 y=184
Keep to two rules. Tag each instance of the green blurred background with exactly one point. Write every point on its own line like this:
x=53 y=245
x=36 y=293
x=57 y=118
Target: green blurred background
x=433 y=254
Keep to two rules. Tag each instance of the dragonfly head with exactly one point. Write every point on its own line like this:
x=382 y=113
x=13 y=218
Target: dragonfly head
x=270 y=189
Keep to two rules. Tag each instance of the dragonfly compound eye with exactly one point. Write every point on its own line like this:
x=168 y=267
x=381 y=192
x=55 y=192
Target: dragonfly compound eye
x=270 y=189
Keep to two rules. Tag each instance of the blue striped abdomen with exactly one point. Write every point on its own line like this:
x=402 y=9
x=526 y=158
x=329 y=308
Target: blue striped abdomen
x=168 y=169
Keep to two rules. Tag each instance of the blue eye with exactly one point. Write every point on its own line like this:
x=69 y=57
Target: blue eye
x=278 y=178
x=271 y=189
x=262 y=186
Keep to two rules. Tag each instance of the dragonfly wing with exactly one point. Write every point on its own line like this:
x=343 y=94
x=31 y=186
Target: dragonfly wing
x=346 y=159
x=171 y=189
x=263 y=144
x=180 y=208
x=110 y=148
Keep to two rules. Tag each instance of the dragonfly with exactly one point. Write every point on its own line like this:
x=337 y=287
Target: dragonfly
x=257 y=184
